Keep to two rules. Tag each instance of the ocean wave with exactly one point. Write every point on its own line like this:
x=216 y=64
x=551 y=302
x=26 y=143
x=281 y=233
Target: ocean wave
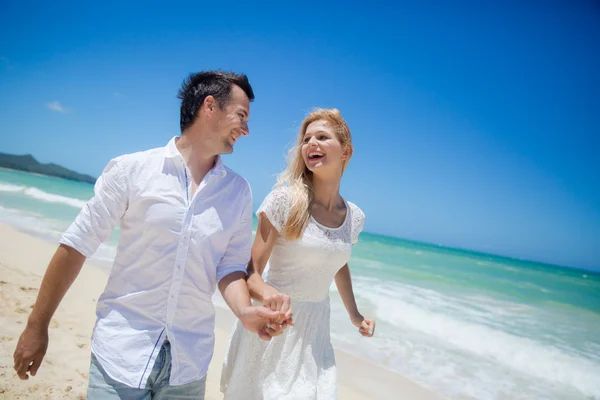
x=458 y=333
x=33 y=223
x=7 y=187
x=39 y=194
x=54 y=198
x=50 y=230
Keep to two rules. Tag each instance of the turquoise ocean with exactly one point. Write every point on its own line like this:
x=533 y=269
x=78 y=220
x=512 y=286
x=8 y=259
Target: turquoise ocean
x=468 y=325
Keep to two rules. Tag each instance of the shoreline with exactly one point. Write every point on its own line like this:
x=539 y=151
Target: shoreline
x=63 y=374
x=418 y=242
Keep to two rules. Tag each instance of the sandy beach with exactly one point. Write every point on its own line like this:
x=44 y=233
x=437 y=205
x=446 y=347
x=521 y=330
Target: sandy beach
x=64 y=371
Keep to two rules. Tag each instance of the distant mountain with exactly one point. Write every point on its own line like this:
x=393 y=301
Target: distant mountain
x=30 y=164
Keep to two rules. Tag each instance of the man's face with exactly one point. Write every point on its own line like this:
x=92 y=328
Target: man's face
x=232 y=121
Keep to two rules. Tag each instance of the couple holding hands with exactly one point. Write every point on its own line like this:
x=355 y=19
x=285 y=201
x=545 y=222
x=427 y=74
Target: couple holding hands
x=186 y=228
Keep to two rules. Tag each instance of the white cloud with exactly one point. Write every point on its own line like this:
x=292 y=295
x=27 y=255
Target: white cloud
x=57 y=107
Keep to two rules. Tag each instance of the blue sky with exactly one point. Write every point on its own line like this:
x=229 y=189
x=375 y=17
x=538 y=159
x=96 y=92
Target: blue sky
x=474 y=126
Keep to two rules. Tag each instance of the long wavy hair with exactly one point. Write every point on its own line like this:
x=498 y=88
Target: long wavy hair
x=299 y=179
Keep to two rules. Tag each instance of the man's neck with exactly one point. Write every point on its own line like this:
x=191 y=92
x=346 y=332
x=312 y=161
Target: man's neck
x=198 y=160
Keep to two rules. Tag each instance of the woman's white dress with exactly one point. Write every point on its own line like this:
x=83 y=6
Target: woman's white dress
x=300 y=363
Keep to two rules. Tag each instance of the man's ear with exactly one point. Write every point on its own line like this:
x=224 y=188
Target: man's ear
x=209 y=104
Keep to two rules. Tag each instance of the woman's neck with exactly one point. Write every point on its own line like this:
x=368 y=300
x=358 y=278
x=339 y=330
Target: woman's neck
x=327 y=192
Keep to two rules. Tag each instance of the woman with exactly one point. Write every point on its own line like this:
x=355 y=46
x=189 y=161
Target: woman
x=306 y=231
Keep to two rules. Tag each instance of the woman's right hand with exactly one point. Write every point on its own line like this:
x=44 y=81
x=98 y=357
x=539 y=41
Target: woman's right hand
x=276 y=301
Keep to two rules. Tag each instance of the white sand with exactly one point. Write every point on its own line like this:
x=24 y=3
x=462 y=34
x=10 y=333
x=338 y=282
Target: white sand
x=64 y=371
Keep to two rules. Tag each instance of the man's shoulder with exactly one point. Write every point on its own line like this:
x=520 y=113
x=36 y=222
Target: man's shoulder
x=236 y=179
x=132 y=164
x=139 y=157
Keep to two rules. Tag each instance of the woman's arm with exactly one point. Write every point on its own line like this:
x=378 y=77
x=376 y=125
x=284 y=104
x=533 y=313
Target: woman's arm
x=343 y=281
x=264 y=241
x=266 y=237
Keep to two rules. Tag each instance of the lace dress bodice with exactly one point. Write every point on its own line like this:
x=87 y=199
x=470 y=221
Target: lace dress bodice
x=305 y=268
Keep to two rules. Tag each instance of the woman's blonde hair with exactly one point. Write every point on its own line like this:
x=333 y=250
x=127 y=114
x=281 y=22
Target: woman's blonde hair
x=298 y=178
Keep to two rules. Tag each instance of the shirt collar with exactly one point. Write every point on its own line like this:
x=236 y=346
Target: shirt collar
x=171 y=151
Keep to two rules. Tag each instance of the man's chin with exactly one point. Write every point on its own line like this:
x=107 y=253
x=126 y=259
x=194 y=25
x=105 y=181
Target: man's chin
x=227 y=149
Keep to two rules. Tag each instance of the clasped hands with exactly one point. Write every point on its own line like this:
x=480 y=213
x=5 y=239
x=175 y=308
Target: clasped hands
x=281 y=304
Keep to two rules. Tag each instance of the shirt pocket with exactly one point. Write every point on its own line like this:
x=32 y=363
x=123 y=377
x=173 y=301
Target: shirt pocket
x=207 y=223
x=209 y=231
x=163 y=228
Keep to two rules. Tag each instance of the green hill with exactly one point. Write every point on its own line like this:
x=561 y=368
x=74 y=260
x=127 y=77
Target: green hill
x=29 y=164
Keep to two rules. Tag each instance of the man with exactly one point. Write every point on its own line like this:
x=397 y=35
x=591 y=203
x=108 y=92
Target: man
x=186 y=225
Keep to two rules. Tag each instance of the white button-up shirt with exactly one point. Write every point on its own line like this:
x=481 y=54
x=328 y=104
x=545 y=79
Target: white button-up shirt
x=172 y=251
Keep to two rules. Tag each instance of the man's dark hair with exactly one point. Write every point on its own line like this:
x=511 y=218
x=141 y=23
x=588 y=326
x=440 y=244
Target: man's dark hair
x=198 y=86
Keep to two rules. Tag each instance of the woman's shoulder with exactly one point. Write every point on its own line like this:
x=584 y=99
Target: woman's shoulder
x=280 y=195
x=357 y=220
x=356 y=211
x=280 y=191
x=276 y=206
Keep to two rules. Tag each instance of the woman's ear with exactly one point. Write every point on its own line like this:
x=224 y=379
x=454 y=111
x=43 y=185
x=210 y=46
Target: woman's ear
x=347 y=153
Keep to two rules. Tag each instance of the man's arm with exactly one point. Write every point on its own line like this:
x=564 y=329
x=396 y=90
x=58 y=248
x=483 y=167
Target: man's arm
x=231 y=276
x=60 y=275
x=93 y=225
x=234 y=289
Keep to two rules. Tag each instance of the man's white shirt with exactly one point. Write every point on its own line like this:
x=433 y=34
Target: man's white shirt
x=173 y=249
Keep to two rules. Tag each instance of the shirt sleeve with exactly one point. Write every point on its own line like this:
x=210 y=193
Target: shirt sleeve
x=237 y=254
x=100 y=215
x=276 y=207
